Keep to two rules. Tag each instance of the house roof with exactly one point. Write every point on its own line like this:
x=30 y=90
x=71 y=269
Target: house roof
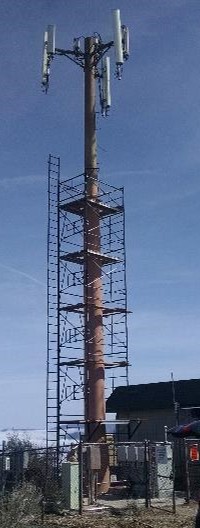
x=154 y=396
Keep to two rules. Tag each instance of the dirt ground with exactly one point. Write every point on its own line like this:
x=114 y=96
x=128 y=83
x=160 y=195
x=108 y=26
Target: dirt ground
x=132 y=518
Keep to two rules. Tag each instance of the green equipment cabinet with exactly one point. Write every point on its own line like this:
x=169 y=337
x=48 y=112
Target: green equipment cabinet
x=70 y=485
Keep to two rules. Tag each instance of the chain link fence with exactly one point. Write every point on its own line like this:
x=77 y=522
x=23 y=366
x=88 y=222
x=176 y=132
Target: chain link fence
x=23 y=484
x=17 y=466
x=107 y=475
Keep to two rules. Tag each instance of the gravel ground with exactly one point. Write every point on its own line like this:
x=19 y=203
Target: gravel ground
x=127 y=518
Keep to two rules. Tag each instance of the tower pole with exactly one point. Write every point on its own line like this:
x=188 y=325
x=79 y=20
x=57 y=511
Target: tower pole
x=94 y=341
x=93 y=295
x=95 y=65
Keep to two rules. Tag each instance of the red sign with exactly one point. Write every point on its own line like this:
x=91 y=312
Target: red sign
x=194 y=452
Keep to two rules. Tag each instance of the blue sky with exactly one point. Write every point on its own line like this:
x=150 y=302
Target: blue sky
x=150 y=144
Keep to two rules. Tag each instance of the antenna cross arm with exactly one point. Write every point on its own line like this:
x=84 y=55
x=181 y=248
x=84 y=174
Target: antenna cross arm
x=70 y=54
x=103 y=48
x=60 y=51
x=107 y=46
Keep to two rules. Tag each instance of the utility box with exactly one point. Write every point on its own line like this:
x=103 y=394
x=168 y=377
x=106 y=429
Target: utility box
x=132 y=453
x=70 y=485
x=122 y=453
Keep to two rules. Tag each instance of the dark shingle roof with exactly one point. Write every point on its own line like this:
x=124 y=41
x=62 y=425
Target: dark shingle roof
x=154 y=396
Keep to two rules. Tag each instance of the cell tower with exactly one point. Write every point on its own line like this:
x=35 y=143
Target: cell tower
x=87 y=295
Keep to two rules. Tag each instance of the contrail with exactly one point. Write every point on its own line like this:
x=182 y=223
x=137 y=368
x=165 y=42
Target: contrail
x=15 y=270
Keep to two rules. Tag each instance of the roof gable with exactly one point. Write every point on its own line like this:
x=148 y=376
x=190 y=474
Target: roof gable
x=154 y=396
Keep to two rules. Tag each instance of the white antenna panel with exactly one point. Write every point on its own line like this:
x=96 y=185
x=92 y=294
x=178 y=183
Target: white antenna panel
x=51 y=31
x=118 y=37
x=125 y=42
x=45 y=66
x=106 y=83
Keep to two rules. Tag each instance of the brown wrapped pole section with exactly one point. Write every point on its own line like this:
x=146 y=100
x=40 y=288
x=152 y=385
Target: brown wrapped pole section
x=94 y=339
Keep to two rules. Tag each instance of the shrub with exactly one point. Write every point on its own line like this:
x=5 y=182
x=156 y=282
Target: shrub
x=24 y=503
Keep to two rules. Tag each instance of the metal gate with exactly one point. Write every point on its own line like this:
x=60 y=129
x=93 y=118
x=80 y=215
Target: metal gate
x=139 y=472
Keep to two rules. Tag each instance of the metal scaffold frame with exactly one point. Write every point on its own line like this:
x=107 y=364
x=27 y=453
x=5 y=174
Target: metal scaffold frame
x=68 y=297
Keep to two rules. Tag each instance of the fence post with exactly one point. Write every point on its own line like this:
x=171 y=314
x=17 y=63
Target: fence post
x=188 y=493
x=2 y=468
x=146 y=472
x=174 y=478
x=80 y=459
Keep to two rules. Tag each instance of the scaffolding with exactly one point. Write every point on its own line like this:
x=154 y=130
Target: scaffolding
x=68 y=297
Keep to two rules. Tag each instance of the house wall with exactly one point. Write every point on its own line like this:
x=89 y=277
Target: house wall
x=152 y=426
x=153 y=423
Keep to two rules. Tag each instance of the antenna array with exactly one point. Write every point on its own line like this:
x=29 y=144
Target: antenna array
x=120 y=43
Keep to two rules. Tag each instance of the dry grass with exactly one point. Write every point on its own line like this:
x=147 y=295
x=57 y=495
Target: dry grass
x=22 y=508
x=141 y=518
